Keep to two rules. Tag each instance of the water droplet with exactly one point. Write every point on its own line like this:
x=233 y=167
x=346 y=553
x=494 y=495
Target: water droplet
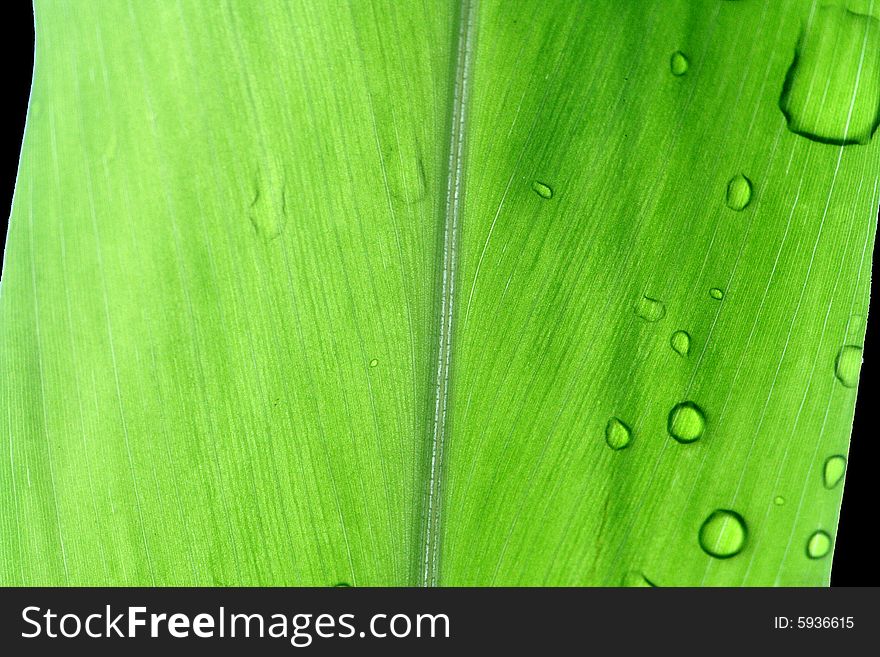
x=617 y=434
x=651 y=310
x=267 y=209
x=831 y=93
x=848 y=364
x=678 y=63
x=819 y=544
x=635 y=579
x=739 y=192
x=716 y=293
x=779 y=500
x=686 y=422
x=681 y=342
x=341 y=585
x=374 y=362
x=723 y=534
x=835 y=468
x=543 y=190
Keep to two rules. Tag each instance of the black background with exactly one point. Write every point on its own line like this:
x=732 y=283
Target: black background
x=856 y=549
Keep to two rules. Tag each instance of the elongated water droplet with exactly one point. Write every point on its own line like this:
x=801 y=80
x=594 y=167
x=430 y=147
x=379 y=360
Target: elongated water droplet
x=267 y=209
x=374 y=362
x=831 y=93
x=343 y=585
x=779 y=500
x=848 y=364
x=636 y=579
x=681 y=342
x=818 y=545
x=835 y=468
x=739 y=192
x=723 y=534
x=543 y=190
x=686 y=422
x=651 y=310
x=678 y=63
x=716 y=293
x=617 y=434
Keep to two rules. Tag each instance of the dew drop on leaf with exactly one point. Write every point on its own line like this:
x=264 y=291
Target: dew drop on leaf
x=678 y=63
x=634 y=578
x=343 y=585
x=847 y=365
x=686 y=422
x=840 y=48
x=374 y=362
x=739 y=192
x=681 y=342
x=716 y=293
x=649 y=309
x=818 y=545
x=617 y=434
x=542 y=189
x=267 y=208
x=723 y=534
x=832 y=473
x=779 y=500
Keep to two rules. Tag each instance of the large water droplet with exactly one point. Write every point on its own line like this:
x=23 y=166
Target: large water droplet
x=636 y=579
x=831 y=93
x=617 y=434
x=848 y=364
x=649 y=309
x=739 y=192
x=681 y=342
x=716 y=293
x=543 y=190
x=686 y=422
x=835 y=468
x=818 y=545
x=678 y=63
x=723 y=534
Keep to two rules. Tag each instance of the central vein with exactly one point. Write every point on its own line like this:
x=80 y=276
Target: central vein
x=451 y=218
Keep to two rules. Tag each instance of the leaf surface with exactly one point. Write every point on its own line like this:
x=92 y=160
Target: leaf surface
x=393 y=293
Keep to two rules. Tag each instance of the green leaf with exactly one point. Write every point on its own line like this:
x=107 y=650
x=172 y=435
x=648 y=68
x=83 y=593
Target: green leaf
x=401 y=293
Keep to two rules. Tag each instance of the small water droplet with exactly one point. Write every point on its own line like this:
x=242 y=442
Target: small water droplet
x=779 y=500
x=818 y=545
x=840 y=48
x=723 y=534
x=678 y=63
x=542 y=189
x=267 y=209
x=341 y=585
x=847 y=365
x=835 y=468
x=739 y=192
x=716 y=293
x=649 y=309
x=617 y=434
x=374 y=362
x=681 y=342
x=636 y=579
x=686 y=422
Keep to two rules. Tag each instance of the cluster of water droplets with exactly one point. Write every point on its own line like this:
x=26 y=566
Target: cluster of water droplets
x=724 y=532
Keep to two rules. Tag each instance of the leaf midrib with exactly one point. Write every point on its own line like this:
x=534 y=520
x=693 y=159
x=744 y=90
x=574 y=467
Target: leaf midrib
x=446 y=281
